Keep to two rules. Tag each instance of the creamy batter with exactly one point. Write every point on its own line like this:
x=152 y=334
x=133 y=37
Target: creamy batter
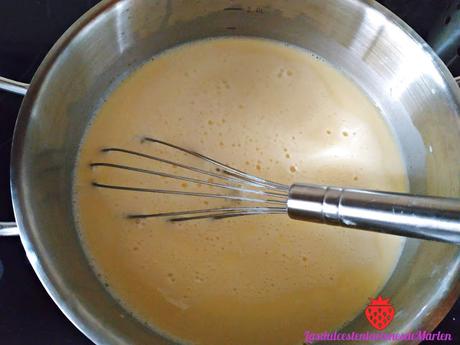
x=265 y=108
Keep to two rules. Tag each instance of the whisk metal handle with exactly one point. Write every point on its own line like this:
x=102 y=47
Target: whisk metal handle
x=423 y=217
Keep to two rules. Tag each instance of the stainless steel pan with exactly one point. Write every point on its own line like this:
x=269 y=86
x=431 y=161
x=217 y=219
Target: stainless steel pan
x=403 y=76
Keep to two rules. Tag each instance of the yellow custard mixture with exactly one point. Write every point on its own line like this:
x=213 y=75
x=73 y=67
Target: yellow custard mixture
x=271 y=110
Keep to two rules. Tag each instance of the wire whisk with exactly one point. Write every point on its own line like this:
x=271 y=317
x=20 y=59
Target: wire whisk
x=425 y=217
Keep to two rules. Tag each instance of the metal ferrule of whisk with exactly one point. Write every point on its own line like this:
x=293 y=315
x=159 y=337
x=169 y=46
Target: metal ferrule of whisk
x=423 y=217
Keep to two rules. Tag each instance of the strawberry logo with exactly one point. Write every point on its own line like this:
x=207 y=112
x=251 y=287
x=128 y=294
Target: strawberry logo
x=379 y=313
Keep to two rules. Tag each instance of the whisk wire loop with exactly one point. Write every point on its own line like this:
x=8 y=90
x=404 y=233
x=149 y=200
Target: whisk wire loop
x=247 y=188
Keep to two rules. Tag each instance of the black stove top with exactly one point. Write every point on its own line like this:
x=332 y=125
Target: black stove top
x=28 y=29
